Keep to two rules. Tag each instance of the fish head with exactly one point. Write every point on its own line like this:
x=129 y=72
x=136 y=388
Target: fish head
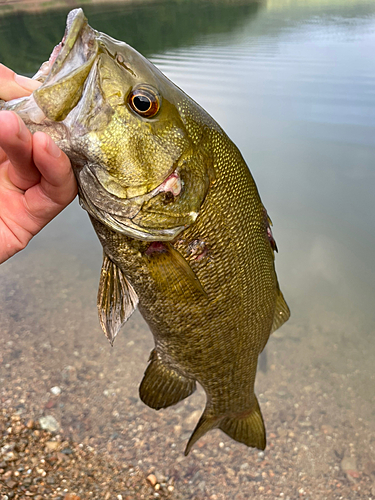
x=136 y=141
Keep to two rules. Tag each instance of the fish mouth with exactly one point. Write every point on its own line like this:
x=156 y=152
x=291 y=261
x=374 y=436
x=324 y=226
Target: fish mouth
x=75 y=21
x=63 y=76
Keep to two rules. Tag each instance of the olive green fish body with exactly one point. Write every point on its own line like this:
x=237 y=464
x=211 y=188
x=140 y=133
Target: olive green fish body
x=214 y=339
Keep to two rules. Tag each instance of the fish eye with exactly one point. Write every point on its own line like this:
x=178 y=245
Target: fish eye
x=144 y=101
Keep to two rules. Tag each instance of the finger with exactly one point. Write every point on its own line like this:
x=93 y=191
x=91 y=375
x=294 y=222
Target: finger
x=13 y=86
x=3 y=156
x=16 y=141
x=57 y=187
x=58 y=180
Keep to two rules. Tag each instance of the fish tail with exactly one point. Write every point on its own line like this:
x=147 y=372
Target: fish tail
x=248 y=429
x=245 y=428
x=205 y=424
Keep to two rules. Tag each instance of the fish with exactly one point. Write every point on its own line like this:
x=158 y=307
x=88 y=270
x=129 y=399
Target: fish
x=185 y=235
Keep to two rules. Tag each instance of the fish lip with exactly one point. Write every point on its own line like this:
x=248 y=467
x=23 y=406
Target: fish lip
x=75 y=22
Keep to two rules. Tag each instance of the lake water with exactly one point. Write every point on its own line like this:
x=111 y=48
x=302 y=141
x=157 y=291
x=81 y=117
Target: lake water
x=293 y=85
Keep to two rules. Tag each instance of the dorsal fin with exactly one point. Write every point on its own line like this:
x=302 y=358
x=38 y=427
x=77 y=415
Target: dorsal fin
x=282 y=312
x=117 y=299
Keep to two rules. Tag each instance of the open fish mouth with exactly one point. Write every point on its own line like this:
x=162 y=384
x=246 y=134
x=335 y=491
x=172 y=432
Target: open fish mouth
x=76 y=20
x=63 y=76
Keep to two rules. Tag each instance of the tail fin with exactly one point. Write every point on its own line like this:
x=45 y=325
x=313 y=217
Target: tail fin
x=248 y=429
x=204 y=425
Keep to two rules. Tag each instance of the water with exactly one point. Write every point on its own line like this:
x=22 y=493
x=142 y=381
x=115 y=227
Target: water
x=292 y=83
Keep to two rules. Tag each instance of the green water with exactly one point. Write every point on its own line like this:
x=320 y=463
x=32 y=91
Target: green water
x=293 y=85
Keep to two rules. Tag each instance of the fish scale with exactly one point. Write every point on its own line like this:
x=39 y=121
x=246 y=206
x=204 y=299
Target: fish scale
x=184 y=233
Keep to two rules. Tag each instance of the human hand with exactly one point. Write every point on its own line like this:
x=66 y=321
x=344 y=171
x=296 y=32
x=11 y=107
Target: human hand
x=36 y=178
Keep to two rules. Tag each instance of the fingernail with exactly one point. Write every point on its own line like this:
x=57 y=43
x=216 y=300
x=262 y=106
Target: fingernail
x=52 y=149
x=27 y=83
x=23 y=132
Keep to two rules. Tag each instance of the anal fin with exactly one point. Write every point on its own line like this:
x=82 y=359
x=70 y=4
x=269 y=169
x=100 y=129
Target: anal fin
x=162 y=386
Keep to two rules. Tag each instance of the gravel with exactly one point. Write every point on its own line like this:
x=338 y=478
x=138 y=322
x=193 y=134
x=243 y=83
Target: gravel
x=36 y=463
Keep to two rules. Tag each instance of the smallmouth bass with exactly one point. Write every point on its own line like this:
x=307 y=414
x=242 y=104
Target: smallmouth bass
x=185 y=235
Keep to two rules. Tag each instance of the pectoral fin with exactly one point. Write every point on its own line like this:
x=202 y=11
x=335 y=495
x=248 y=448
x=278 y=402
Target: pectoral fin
x=162 y=386
x=117 y=299
x=171 y=270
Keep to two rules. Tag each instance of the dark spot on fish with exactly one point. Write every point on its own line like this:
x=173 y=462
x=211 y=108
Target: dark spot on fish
x=198 y=249
x=168 y=197
x=270 y=237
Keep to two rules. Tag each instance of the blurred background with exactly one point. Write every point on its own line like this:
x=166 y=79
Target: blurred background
x=292 y=82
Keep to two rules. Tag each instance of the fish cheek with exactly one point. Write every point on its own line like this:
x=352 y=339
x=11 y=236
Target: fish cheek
x=137 y=154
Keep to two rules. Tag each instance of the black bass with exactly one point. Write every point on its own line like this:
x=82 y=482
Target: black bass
x=184 y=232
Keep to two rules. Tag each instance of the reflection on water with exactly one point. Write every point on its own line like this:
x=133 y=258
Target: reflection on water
x=292 y=83
x=150 y=27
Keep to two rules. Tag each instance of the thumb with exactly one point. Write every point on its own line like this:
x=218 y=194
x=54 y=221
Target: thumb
x=13 y=86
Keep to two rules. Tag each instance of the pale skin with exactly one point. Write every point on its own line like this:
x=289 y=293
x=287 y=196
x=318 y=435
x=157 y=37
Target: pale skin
x=36 y=178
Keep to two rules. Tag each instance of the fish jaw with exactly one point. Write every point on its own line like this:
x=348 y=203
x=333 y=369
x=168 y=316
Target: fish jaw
x=64 y=75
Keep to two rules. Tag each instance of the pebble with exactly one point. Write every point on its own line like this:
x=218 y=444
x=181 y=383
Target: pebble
x=52 y=445
x=56 y=390
x=49 y=423
x=30 y=424
x=152 y=479
x=69 y=374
